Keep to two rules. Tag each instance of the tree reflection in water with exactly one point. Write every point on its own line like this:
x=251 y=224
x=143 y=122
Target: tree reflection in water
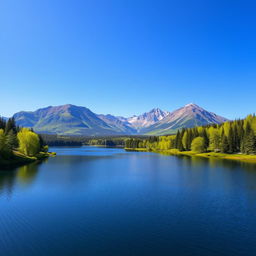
x=9 y=178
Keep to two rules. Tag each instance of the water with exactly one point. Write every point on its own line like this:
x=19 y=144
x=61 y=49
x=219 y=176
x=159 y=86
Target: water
x=99 y=201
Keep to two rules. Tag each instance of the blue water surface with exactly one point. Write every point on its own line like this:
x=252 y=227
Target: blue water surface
x=106 y=201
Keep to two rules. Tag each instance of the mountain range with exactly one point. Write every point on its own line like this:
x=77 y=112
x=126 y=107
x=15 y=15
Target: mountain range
x=75 y=120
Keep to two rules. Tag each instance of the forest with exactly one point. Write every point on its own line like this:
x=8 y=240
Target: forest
x=54 y=140
x=231 y=137
x=18 y=143
x=112 y=141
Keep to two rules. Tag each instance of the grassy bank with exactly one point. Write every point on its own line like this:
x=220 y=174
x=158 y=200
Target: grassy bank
x=19 y=159
x=237 y=157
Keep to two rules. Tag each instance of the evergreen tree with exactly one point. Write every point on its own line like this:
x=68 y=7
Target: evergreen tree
x=178 y=142
x=224 y=144
x=236 y=138
x=248 y=145
x=231 y=141
x=11 y=140
x=206 y=139
x=10 y=125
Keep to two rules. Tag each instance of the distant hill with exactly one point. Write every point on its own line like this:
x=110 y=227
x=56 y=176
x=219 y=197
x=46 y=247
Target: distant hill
x=74 y=120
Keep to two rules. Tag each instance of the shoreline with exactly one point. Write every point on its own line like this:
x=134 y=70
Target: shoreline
x=18 y=159
x=174 y=152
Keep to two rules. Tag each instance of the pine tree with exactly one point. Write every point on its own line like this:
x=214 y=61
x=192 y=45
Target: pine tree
x=11 y=140
x=248 y=145
x=177 y=138
x=10 y=125
x=206 y=139
x=224 y=148
x=178 y=142
x=236 y=138
x=189 y=139
x=231 y=142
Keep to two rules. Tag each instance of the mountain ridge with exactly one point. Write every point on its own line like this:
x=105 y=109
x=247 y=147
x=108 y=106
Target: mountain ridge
x=148 y=118
x=78 y=120
x=190 y=115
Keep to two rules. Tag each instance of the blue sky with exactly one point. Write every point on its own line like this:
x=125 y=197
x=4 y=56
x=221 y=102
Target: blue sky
x=127 y=57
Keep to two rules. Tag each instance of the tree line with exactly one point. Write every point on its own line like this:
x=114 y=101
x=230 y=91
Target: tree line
x=17 y=139
x=54 y=140
x=230 y=137
x=80 y=140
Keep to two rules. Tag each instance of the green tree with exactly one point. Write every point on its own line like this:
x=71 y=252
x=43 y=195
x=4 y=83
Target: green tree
x=214 y=139
x=186 y=140
x=231 y=141
x=248 y=145
x=206 y=139
x=11 y=140
x=224 y=144
x=29 y=143
x=10 y=126
x=198 y=145
x=178 y=141
x=5 y=149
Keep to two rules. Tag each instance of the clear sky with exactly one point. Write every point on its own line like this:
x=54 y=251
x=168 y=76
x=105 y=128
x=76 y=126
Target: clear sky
x=126 y=57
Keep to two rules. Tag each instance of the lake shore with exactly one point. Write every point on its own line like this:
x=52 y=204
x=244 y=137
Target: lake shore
x=19 y=159
x=175 y=152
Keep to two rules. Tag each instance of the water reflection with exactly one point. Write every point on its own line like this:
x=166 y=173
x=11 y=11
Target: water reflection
x=196 y=161
x=27 y=173
x=231 y=173
x=24 y=175
x=7 y=180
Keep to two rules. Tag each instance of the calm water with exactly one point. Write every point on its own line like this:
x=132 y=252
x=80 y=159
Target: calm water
x=98 y=201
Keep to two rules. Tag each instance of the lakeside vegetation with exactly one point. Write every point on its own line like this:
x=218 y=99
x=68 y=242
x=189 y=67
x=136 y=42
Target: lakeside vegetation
x=20 y=145
x=231 y=140
x=54 y=140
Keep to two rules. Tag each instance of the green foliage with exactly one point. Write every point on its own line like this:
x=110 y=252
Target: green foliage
x=248 y=145
x=198 y=145
x=214 y=139
x=3 y=148
x=29 y=143
x=229 y=137
x=224 y=148
x=11 y=126
x=13 y=138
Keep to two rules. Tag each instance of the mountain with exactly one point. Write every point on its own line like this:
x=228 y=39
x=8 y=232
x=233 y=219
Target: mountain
x=74 y=120
x=188 y=116
x=66 y=119
x=147 y=119
x=118 y=122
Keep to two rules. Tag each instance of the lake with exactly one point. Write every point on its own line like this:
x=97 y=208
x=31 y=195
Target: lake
x=109 y=202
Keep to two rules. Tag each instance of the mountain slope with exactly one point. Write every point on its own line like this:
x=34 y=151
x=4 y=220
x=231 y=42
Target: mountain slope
x=66 y=119
x=147 y=119
x=118 y=123
x=188 y=116
x=75 y=120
